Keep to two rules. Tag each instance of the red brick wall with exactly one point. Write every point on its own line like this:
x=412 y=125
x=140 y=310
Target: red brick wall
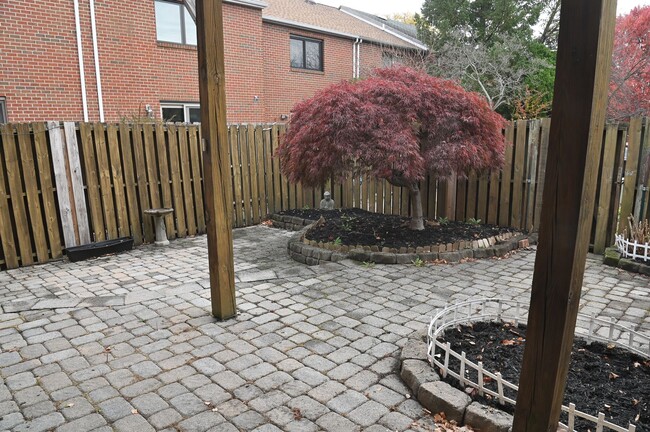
x=284 y=85
x=40 y=72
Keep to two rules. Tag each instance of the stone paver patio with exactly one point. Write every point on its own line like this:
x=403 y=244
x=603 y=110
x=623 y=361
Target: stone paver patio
x=127 y=342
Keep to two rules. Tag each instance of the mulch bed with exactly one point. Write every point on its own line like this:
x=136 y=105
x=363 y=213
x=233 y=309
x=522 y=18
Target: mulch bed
x=601 y=378
x=361 y=227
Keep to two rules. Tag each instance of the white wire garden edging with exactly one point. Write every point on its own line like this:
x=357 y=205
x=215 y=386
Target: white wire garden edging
x=589 y=327
x=624 y=246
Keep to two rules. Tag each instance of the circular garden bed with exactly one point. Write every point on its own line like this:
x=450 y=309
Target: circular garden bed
x=332 y=235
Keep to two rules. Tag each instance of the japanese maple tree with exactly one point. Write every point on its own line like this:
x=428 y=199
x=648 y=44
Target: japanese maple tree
x=629 y=90
x=399 y=124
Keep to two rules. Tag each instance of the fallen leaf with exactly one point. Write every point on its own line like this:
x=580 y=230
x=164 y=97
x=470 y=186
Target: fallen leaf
x=635 y=402
x=134 y=411
x=508 y=342
x=637 y=364
x=612 y=376
x=215 y=409
x=297 y=415
x=208 y=403
x=70 y=405
x=611 y=345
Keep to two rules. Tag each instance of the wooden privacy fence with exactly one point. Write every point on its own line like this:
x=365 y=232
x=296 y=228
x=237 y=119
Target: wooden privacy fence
x=69 y=184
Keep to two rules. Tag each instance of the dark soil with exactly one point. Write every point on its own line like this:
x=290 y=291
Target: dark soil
x=360 y=227
x=601 y=379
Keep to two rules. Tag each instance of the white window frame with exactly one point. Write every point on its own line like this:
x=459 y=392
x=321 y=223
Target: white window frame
x=183 y=29
x=184 y=106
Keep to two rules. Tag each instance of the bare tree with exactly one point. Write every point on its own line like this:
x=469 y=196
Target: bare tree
x=498 y=72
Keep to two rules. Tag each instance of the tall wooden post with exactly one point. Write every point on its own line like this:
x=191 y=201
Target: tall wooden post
x=212 y=87
x=581 y=84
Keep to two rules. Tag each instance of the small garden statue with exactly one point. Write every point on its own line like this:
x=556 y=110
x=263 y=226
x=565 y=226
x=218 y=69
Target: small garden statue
x=327 y=203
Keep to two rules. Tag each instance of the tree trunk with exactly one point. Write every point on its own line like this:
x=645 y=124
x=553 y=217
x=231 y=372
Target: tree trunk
x=417 y=220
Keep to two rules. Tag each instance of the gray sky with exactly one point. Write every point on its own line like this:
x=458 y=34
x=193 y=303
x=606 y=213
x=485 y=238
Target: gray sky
x=385 y=7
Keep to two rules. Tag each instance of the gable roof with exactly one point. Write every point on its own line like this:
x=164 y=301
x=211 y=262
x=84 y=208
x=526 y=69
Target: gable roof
x=308 y=15
x=402 y=30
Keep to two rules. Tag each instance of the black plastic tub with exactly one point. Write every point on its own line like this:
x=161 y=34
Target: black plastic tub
x=92 y=250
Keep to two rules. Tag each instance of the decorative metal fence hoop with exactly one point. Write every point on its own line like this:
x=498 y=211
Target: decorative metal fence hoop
x=629 y=249
x=589 y=327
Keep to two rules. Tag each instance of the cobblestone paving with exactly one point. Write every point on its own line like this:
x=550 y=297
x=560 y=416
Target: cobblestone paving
x=127 y=343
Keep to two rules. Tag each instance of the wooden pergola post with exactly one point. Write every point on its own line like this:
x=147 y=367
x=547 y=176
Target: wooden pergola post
x=581 y=86
x=216 y=177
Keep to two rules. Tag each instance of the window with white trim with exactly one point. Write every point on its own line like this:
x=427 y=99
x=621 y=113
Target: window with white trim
x=180 y=112
x=174 y=23
x=3 y=110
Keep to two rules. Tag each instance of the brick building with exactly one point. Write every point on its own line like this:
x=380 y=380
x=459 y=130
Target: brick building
x=108 y=60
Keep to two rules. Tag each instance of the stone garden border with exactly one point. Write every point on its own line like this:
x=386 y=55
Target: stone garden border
x=314 y=253
x=437 y=396
x=614 y=258
x=423 y=352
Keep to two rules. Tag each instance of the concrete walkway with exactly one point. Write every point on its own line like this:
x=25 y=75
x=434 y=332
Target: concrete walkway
x=127 y=342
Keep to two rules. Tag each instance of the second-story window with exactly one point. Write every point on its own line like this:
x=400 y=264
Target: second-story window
x=306 y=53
x=174 y=23
x=3 y=110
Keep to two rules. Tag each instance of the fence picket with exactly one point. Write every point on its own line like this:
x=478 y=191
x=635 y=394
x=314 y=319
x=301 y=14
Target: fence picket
x=76 y=180
x=481 y=207
x=277 y=183
x=531 y=173
x=631 y=172
x=141 y=177
x=104 y=170
x=197 y=180
x=506 y=176
x=493 y=199
x=641 y=201
x=184 y=154
x=163 y=169
x=518 y=176
x=245 y=169
x=260 y=171
x=286 y=193
x=47 y=189
x=123 y=228
x=6 y=229
x=541 y=174
x=175 y=175
x=32 y=191
x=130 y=184
x=254 y=170
x=605 y=194
x=60 y=179
x=92 y=183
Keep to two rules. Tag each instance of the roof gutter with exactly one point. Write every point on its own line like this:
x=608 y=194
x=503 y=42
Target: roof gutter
x=316 y=29
x=257 y=4
x=391 y=32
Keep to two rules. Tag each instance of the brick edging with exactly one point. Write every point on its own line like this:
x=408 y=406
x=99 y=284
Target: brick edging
x=613 y=257
x=437 y=396
x=314 y=253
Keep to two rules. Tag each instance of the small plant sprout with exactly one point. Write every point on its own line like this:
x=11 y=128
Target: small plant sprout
x=418 y=262
x=443 y=220
x=306 y=207
x=338 y=241
x=368 y=264
x=473 y=221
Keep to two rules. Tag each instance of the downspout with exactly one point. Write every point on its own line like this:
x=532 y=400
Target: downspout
x=93 y=26
x=82 y=74
x=354 y=58
x=359 y=58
